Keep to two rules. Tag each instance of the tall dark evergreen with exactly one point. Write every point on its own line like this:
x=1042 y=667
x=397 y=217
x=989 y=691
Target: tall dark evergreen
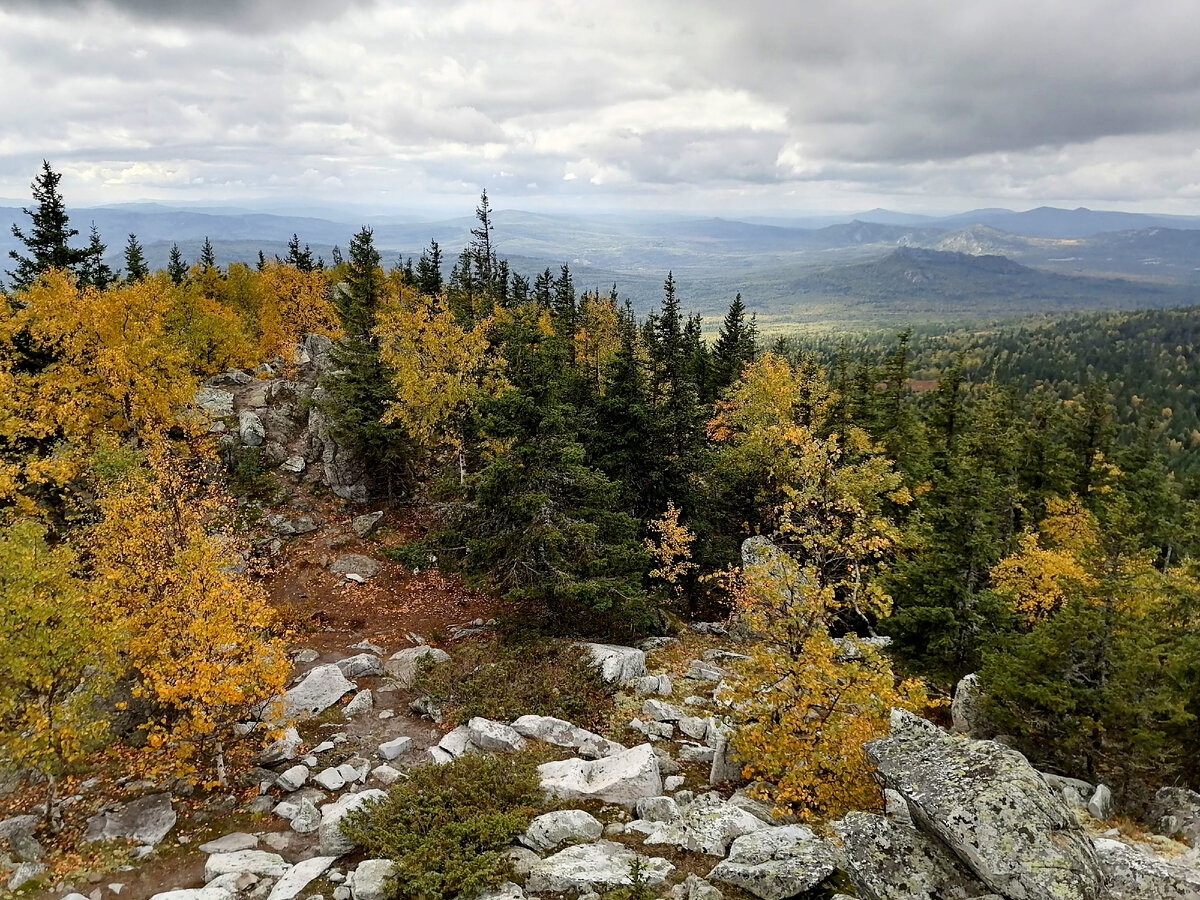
x=47 y=242
x=208 y=259
x=483 y=254
x=429 y=271
x=135 y=261
x=94 y=272
x=177 y=266
x=301 y=259
x=734 y=347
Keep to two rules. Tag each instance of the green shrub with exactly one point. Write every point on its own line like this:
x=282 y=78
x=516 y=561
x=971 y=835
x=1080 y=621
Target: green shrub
x=515 y=675
x=446 y=827
x=413 y=555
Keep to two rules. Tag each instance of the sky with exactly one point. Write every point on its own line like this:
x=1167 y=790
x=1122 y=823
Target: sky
x=731 y=108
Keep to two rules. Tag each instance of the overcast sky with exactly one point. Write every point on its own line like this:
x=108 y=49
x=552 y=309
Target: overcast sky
x=690 y=105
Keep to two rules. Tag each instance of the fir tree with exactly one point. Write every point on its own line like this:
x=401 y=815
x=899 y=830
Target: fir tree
x=93 y=270
x=429 y=271
x=177 y=266
x=301 y=259
x=734 y=347
x=208 y=259
x=135 y=262
x=50 y=231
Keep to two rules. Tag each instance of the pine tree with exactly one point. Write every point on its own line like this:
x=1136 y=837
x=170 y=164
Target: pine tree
x=135 y=262
x=429 y=271
x=262 y=261
x=734 y=347
x=483 y=254
x=177 y=266
x=94 y=271
x=50 y=231
x=208 y=259
x=301 y=259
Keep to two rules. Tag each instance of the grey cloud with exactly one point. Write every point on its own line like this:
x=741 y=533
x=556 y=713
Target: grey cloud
x=269 y=15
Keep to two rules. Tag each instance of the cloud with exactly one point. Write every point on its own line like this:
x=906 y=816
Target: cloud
x=644 y=102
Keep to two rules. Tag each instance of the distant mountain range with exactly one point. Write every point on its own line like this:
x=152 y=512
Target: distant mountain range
x=879 y=265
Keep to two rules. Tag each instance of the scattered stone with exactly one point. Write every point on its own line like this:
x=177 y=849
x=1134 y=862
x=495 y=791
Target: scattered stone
x=355 y=769
x=320 y=689
x=457 y=741
x=386 y=775
x=699 y=670
x=718 y=655
x=303 y=657
x=707 y=825
x=656 y=731
x=1101 y=803
x=333 y=842
x=555 y=828
x=231 y=843
x=693 y=727
x=370 y=881
x=991 y=808
x=366 y=524
x=439 y=757
x=666 y=765
x=362 y=702
x=506 y=891
x=660 y=711
x=562 y=733
x=256 y=862
x=1176 y=811
x=742 y=799
x=585 y=867
x=298 y=877
x=331 y=779
x=214 y=401
x=293 y=779
x=658 y=809
x=726 y=767
x=695 y=888
x=673 y=782
x=307 y=818
x=293 y=464
x=363 y=665
x=355 y=564
x=387 y=714
x=364 y=644
x=394 y=748
x=403 y=666
x=24 y=873
x=697 y=753
x=489 y=735
x=146 y=821
x=653 y=684
x=623 y=778
x=890 y=861
x=966 y=709
x=617 y=664
x=776 y=863
x=523 y=860
x=286 y=810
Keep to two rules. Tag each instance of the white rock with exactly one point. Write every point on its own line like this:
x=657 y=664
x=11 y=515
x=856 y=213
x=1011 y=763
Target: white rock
x=673 y=782
x=707 y=825
x=1133 y=875
x=554 y=828
x=693 y=727
x=362 y=665
x=307 y=818
x=658 y=809
x=366 y=524
x=333 y=842
x=317 y=691
x=489 y=735
x=403 y=666
x=370 y=879
x=256 y=862
x=362 y=702
x=386 y=775
x=776 y=863
x=230 y=843
x=457 y=741
x=331 y=779
x=439 y=757
x=394 y=748
x=617 y=664
x=1100 y=805
x=506 y=891
x=293 y=464
x=297 y=878
x=585 y=867
x=293 y=779
x=250 y=428
x=661 y=711
x=562 y=733
x=623 y=778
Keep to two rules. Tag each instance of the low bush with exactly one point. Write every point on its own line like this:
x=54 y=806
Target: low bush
x=446 y=827
x=515 y=675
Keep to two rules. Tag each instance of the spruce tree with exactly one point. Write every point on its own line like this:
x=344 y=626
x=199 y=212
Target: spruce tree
x=135 y=261
x=301 y=259
x=208 y=259
x=429 y=271
x=50 y=231
x=177 y=266
x=93 y=270
x=734 y=347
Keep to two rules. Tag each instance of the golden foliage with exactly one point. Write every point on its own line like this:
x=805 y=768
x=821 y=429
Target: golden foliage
x=672 y=550
x=295 y=303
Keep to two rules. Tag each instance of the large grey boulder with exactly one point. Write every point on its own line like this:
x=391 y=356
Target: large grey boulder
x=333 y=842
x=403 y=666
x=707 y=825
x=371 y=879
x=623 y=778
x=586 y=867
x=145 y=821
x=18 y=831
x=254 y=862
x=355 y=564
x=366 y=524
x=966 y=709
x=346 y=474
x=562 y=733
x=317 y=691
x=251 y=429
x=362 y=665
x=1134 y=875
x=299 y=876
x=316 y=348
x=1176 y=811
x=617 y=664
x=726 y=767
x=488 y=735
x=777 y=863
x=214 y=401
x=554 y=828
x=991 y=808
x=890 y=861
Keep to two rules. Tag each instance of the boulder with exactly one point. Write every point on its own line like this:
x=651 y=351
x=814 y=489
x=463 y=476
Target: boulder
x=653 y=684
x=294 y=464
x=1134 y=875
x=699 y=670
x=708 y=825
x=282 y=749
x=890 y=861
x=255 y=862
x=355 y=564
x=403 y=666
x=19 y=831
x=24 y=873
x=555 y=828
x=317 y=691
x=363 y=701
x=695 y=888
x=966 y=709
x=562 y=733
x=394 y=748
x=214 y=401
x=1101 y=803
x=333 y=842
x=371 y=880
x=364 y=526
x=661 y=711
x=658 y=809
x=617 y=664
x=585 y=867
x=726 y=767
x=307 y=818
x=457 y=741
x=506 y=891
x=776 y=863
x=316 y=347
x=330 y=779
x=347 y=474
x=230 y=843
x=251 y=429
x=298 y=877
x=145 y=821
x=623 y=778
x=991 y=808
x=1176 y=811
x=364 y=665
x=489 y=735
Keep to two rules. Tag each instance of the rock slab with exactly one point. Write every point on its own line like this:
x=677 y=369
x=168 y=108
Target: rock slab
x=623 y=778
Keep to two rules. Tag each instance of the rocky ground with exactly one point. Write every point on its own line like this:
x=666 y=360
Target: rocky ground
x=965 y=818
